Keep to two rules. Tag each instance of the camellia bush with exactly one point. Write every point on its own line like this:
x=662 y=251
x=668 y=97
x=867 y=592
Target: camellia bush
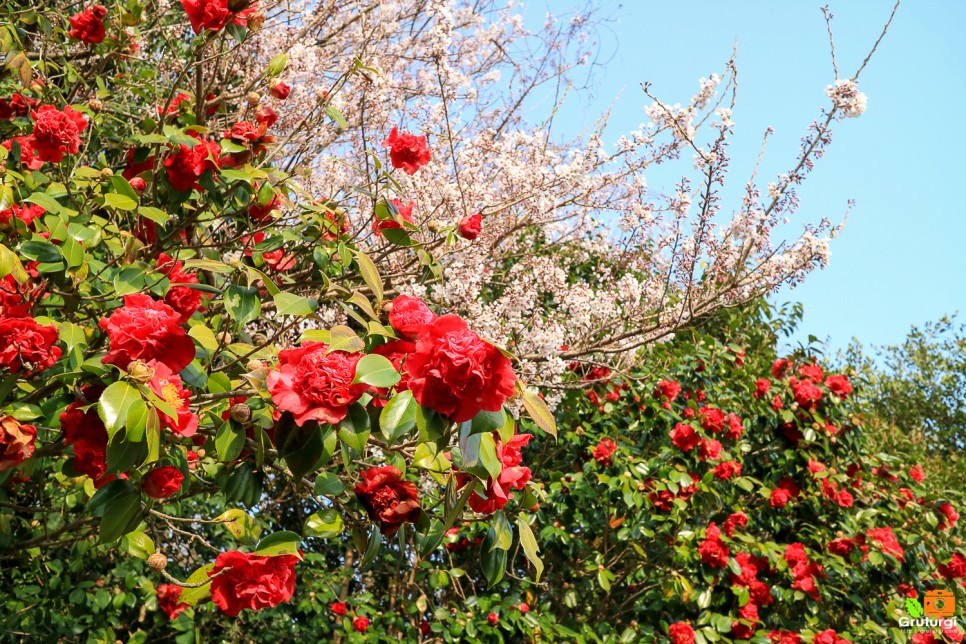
x=291 y=307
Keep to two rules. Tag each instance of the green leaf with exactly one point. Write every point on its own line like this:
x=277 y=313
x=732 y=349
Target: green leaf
x=137 y=544
x=328 y=484
x=529 y=543
x=487 y=421
x=492 y=560
x=240 y=524
x=372 y=546
x=279 y=543
x=229 y=441
x=540 y=413
x=301 y=447
x=10 y=264
x=342 y=338
x=502 y=531
x=194 y=596
x=242 y=303
x=292 y=304
x=121 y=202
x=46 y=202
x=336 y=116
x=326 y=524
x=114 y=405
x=377 y=371
x=370 y=274
x=354 y=429
x=277 y=64
x=124 y=454
x=118 y=504
x=121 y=186
x=156 y=215
x=41 y=251
x=398 y=417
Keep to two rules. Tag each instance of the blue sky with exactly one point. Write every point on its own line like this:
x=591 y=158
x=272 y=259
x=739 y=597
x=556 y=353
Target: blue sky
x=901 y=259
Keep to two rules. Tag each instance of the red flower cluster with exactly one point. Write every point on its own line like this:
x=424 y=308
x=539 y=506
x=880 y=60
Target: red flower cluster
x=762 y=387
x=214 y=14
x=26 y=346
x=727 y=470
x=145 y=329
x=604 y=450
x=681 y=633
x=17 y=105
x=667 y=391
x=85 y=431
x=56 y=133
x=684 y=437
x=785 y=491
x=949 y=516
x=27 y=213
x=405 y=213
x=664 y=499
x=169 y=600
x=744 y=627
x=183 y=299
x=734 y=521
x=513 y=476
x=839 y=385
x=456 y=373
x=758 y=591
x=407 y=151
x=168 y=387
x=240 y=581
x=955 y=569
x=16 y=442
x=388 y=498
x=713 y=552
x=829 y=637
x=185 y=165
x=803 y=572
x=885 y=540
x=88 y=25
x=315 y=385
x=162 y=482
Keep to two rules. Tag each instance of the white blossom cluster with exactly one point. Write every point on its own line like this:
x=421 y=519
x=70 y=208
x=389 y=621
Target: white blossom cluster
x=846 y=96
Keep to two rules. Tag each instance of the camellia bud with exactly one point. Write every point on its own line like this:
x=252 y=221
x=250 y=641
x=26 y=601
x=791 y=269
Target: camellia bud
x=139 y=371
x=434 y=226
x=240 y=412
x=107 y=172
x=253 y=98
x=157 y=562
x=254 y=365
x=138 y=184
x=224 y=338
x=386 y=307
x=260 y=339
x=95 y=105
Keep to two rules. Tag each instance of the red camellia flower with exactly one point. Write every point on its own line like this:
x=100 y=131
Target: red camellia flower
x=456 y=373
x=88 y=25
x=183 y=299
x=924 y=638
x=492 y=618
x=762 y=387
x=28 y=154
x=388 y=498
x=258 y=212
x=839 y=385
x=681 y=633
x=27 y=346
x=139 y=185
x=186 y=165
x=513 y=476
x=339 y=609
x=917 y=474
x=266 y=116
x=604 y=450
x=784 y=637
x=27 y=213
x=886 y=541
x=168 y=387
x=780 y=368
x=407 y=151
x=951 y=631
x=145 y=329
x=735 y=428
x=842 y=547
x=162 y=482
x=776 y=402
x=734 y=521
x=85 y=431
x=471 y=226
x=315 y=385
x=713 y=552
x=16 y=442
x=955 y=569
x=806 y=394
x=56 y=133
x=280 y=90
x=214 y=14
x=784 y=492
x=169 y=600
x=523 y=608
x=684 y=437
x=812 y=372
x=829 y=637
x=18 y=105
x=949 y=516
x=667 y=391
x=727 y=470
x=405 y=213
x=709 y=450
x=712 y=420
x=409 y=315
x=240 y=581
x=360 y=624
x=744 y=629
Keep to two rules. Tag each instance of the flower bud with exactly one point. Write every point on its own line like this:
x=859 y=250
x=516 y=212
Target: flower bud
x=157 y=562
x=240 y=412
x=224 y=338
x=139 y=371
x=253 y=98
x=386 y=307
x=138 y=184
x=254 y=365
x=260 y=339
x=256 y=20
x=107 y=172
x=434 y=225
x=95 y=105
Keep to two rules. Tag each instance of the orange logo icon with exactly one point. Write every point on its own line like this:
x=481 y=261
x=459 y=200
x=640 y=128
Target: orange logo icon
x=939 y=604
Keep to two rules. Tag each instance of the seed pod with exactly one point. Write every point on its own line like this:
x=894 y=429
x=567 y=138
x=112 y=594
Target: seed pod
x=157 y=562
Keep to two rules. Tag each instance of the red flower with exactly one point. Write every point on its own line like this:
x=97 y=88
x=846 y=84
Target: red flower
x=280 y=90
x=917 y=474
x=734 y=521
x=259 y=213
x=780 y=368
x=409 y=315
x=456 y=373
x=684 y=437
x=26 y=213
x=955 y=569
x=951 y=631
x=829 y=637
x=666 y=391
x=28 y=154
x=168 y=387
x=315 y=385
x=471 y=226
x=762 y=387
x=16 y=442
x=523 y=608
x=784 y=637
x=88 y=25
x=806 y=394
x=162 y=482
x=169 y=600
x=240 y=581
x=138 y=184
x=727 y=470
x=735 y=428
x=512 y=476
x=266 y=116
x=604 y=450
x=681 y=633
x=709 y=450
x=886 y=541
x=339 y=608
x=405 y=213
x=950 y=516
x=145 y=329
x=811 y=372
x=776 y=402
x=183 y=299
x=18 y=105
x=186 y=165
x=842 y=547
x=839 y=385
x=85 y=431
x=712 y=420
x=492 y=618
x=388 y=498
x=783 y=493
x=360 y=624
x=745 y=628
x=397 y=352
x=712 y=551
x=27 y=346
x=56 y=133
x=407 y=151
x=214 y=14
